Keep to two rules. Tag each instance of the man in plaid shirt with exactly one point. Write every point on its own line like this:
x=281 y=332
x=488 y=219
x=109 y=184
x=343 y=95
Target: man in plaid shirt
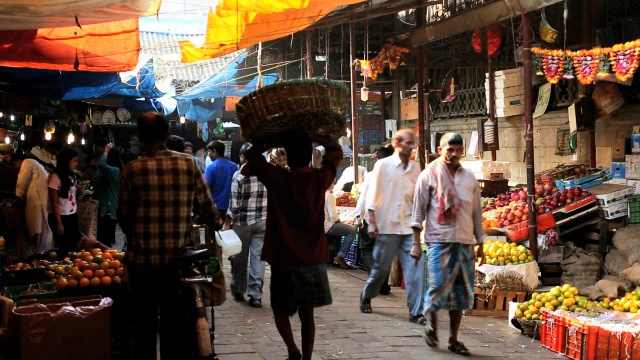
x=158 y=194
x=248 y=213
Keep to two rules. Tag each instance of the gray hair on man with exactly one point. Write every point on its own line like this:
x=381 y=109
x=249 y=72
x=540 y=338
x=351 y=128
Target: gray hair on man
x=451 y=138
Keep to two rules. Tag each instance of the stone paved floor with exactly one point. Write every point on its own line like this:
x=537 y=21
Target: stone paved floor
x=345 y=333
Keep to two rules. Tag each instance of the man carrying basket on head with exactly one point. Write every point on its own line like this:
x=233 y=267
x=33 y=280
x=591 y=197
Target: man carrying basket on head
x=295 y=243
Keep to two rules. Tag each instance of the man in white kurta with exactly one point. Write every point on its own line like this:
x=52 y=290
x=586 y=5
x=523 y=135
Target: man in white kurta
x=32 y=186
x=389 y=203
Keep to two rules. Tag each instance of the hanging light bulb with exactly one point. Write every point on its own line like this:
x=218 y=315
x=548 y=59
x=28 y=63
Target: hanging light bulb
x=82 y=141
x=364 y=93
x=12 y=117
x=22 y=136
x=1 y=114
x=7 y=140
x=70 y=138
x=47 y=136
x=183 y=119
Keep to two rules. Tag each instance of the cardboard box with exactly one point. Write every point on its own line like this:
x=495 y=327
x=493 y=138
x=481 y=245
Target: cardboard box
x=551 y=255
x=619 y=170
x=603 y=156
x=615 y=211
x=635 y=184
x=45 y=332
x=632 y=167
x=617 y=182
x=510 y=110
x=609 y=194
x=635 y=143
x=618 y=149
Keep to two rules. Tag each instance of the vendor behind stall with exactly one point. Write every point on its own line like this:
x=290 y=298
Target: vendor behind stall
x=32 y=186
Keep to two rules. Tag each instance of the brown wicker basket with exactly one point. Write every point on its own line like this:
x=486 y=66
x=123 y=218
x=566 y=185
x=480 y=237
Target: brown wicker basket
x=315 y=106
x=503 y=283
x=529 y=328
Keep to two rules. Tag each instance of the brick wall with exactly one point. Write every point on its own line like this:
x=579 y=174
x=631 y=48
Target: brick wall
x=512 y=143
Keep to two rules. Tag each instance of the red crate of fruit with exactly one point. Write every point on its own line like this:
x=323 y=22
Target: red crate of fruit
x=581 y=340
x=552 y=330
x=617 y=345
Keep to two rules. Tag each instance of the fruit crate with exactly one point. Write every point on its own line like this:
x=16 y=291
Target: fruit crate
x=580 y=340
x=552 y=331
x=491 y=188
x=494 y=303
x=633 y=207
x=617 y=346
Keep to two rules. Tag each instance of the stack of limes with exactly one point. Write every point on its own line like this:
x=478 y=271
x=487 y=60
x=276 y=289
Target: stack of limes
x=563 y=297
x=629 y=303
x=504 y=253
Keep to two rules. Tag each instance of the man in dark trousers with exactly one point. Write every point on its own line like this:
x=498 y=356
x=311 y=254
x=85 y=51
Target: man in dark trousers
x=295 y=243
x=158 y=194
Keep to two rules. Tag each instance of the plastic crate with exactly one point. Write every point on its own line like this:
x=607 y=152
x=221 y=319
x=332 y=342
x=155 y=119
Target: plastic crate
x=15 y=293
x=552 y=329
x=617 y=346
x=633 y=207
x=581 y=340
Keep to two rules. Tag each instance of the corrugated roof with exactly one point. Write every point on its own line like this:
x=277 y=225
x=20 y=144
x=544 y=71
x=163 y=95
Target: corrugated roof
x=165 y=51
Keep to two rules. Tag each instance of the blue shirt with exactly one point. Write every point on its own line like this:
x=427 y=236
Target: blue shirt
x=218 y=175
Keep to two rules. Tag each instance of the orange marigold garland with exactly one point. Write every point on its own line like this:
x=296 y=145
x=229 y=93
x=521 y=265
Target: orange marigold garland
x=585 y=65
x=552 y=64
x=624 y=59
x=390 y=54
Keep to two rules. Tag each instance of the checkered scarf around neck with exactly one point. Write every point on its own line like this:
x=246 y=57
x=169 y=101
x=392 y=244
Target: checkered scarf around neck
x=448 y=201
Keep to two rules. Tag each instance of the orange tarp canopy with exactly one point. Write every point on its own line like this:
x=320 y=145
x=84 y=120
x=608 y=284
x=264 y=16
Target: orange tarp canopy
x=231 y=29
x=107 y=47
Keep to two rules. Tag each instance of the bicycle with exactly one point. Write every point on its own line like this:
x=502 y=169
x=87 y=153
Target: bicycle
x=191 y=269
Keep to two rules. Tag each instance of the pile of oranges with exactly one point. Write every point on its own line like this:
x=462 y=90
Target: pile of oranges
x=87 y=268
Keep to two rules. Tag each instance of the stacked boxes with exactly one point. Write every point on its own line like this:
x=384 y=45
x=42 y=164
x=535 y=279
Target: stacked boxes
x=632 y=172
x=486 y=169
x=612 y=199
x=509 y=87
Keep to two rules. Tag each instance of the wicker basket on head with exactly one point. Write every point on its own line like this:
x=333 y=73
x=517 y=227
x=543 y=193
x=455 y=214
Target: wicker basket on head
x=315 y=106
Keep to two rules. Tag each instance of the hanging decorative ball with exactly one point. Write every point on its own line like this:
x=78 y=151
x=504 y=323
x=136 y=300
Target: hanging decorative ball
x=494 y=40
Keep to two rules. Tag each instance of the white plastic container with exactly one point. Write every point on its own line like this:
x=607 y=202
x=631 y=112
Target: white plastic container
x=229 y=241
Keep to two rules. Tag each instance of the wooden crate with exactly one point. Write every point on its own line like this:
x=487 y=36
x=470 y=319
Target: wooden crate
x=494 y=303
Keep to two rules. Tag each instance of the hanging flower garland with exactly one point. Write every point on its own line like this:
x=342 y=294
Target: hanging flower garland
x=585 y=65
x=624 y=59
x=552 y=64
x=588 y=64
x=389 y=55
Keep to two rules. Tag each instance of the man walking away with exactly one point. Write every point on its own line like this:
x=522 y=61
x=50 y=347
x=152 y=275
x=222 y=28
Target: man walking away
x=295 y=243
x=447 y=197
x=248 y=213
x=218 y=175
x=158 y=194
x=389 y=203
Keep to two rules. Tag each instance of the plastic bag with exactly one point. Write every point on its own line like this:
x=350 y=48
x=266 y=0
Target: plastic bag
x=527 y=273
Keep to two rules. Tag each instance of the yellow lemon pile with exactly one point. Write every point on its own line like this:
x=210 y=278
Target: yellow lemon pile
x=503 y=253
x=563 y=297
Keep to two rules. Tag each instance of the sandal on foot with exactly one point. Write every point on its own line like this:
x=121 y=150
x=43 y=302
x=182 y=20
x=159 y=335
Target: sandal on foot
x=418 y=319
x=238 y=297
x=295 y=356
x=459 y=348
x=256 y=303
x=431 y=336
x=365 y=305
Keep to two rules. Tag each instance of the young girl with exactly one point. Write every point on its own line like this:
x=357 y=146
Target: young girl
x=63 y=219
